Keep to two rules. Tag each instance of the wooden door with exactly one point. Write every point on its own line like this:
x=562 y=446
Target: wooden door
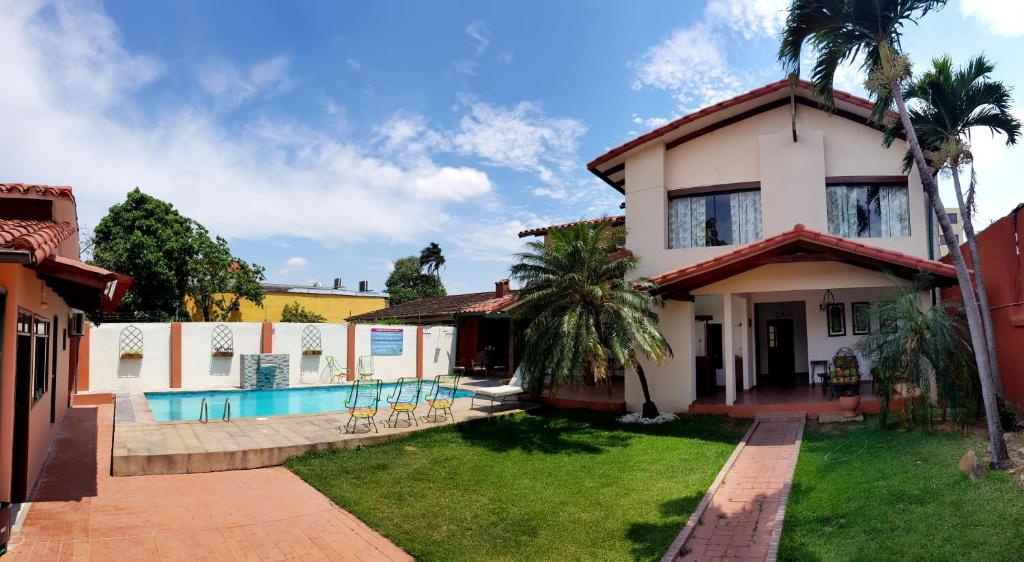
x=781 y=355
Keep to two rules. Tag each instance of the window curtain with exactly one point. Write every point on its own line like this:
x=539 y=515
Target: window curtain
x=746 y=216
x=848 y=206
x=686 y=216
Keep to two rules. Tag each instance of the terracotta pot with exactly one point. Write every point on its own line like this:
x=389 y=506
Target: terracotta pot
x=849 y=404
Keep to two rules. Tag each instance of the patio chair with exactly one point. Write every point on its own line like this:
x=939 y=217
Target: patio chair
x=333 y=371
x=362 y=404
x=365 y=367
x=404 y=399
x=441 y=397
x=478 y=365
x=499 y=393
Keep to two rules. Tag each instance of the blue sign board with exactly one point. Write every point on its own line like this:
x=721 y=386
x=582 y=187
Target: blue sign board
x=386 y=341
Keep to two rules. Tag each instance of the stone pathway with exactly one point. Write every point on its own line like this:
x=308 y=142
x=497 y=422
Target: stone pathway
x=740 y=517
x=80 y=512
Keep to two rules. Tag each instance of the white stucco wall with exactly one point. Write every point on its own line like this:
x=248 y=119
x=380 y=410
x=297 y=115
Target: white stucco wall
x=108 y=372
x=438 y=351
x=389 y=367
x=199 y=369
x=672 y=383
x=305 y=369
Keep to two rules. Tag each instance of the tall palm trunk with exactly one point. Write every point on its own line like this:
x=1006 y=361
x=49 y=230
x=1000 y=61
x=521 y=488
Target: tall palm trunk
x=649 y=409
x=972 y=248
x=1000 y=456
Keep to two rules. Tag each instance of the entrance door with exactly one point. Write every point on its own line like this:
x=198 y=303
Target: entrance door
x=781 y=361
x=22 y=406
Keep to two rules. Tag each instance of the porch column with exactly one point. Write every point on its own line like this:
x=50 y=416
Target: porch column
x=728 y=355
x=748 y=347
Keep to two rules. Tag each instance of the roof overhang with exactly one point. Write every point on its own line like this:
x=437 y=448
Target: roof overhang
x=83 y=286
x=798 y=245
x=611 y=166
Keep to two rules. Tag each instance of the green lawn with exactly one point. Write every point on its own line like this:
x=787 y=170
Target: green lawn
x=552 y=485
x=902 y=498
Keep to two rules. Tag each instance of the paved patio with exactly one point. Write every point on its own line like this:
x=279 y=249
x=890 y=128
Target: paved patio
x=143 y=446
x=80 y=512
x=740 y=517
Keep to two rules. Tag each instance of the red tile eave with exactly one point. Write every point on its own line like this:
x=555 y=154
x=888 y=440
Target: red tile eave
x=37 y=189
x=111 y=286
x=40 y=237
x=802 y=234
x=616 y=220
x=838 y=95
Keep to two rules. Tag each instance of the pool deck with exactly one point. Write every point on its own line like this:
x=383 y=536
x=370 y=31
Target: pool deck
x=144 y=446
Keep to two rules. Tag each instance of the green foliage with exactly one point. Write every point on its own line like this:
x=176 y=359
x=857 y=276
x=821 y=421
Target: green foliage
x=553 y=486
x=432 y=259
x=915 y=346
x=148 y=239
x=295 y=312
x=897 y=496
x=169 y=257
x=407 y=282
x=582 y=314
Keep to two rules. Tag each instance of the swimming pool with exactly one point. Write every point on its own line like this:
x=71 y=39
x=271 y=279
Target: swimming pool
x=173 y=406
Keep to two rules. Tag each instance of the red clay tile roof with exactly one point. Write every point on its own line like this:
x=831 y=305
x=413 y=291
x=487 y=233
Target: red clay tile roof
x=35 y=189
x=839 y=95
x=39 y=237
x=490 y=306
x=435 y=307
x=617 y=220
x=800 y=238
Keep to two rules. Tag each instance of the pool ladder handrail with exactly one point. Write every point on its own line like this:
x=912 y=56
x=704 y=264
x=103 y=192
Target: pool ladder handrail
x=227 y=410
x=204 y=411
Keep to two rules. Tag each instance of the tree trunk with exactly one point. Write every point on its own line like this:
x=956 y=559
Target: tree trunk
x=649 y=409
x=1000 y=456
x=972 y=248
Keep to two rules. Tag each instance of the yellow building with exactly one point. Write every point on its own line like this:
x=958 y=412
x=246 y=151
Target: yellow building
x=334 y=304
x=958 y=228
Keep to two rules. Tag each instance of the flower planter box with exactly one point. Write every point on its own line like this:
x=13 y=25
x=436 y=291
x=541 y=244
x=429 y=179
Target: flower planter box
x=223 y=353
x=131 y=355
x=312 y=352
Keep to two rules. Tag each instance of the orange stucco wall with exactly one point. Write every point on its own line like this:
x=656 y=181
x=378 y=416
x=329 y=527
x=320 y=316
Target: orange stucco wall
x=27 y=292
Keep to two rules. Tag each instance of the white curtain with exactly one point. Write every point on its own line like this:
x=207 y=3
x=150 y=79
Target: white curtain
x=746 y=216
x=894 y=202
x=686 y=217
x=852 y=211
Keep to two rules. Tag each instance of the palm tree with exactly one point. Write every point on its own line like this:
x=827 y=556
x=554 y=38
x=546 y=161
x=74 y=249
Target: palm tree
x=582 y=314
x=949 y=104
x=839 y=31
x=432 y=259
x=916 y=346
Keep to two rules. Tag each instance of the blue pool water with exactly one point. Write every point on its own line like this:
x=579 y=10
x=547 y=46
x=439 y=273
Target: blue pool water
x=171 y=406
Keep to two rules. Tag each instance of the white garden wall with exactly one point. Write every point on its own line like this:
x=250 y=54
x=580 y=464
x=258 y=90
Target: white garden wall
x=200 y=369
x=305 y=369
x=389 y=367
x=109 y=372
x=438 y=351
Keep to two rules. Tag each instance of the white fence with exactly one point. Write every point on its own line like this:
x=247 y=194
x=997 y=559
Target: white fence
x=204 y=365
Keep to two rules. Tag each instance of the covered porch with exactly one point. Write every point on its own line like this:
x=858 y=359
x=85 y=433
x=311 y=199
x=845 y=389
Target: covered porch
x=754 y=329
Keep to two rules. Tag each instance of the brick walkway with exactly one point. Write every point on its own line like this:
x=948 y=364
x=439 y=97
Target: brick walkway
x=79 y=512
x=740 y=517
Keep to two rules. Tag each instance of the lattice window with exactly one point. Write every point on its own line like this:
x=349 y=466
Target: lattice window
x=222 y=342
x=130 y=342
x=311 y=341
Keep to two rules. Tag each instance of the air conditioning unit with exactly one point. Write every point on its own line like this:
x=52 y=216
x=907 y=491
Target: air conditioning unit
x=364 y=286
x=77 y=324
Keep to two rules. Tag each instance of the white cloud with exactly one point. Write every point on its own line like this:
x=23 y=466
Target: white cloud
x=521 y=137
x=262 y=180
x=477 y=29
x=409 y=133
x=466 y=66
x=296 y=262
x=691 y=64
x=1005 y=17
x=749 y=18
x=225 y=81
x=353 y=64
x=649 y=122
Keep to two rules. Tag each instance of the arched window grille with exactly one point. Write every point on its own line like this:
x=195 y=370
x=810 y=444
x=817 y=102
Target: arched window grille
x=130 y=342
x=222 y=342
x=311 y=341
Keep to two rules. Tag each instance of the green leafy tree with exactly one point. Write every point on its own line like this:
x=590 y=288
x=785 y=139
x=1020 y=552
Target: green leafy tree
x=150 y=240
x=916 y=346
x=840 y=31
x=581 y=311
x=218 y=281
x=432 y=259
x=408 y=282
x=945 y=105
x=295 y=312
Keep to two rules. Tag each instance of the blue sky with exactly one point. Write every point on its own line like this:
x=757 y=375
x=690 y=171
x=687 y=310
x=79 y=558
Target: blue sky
x=327 y=139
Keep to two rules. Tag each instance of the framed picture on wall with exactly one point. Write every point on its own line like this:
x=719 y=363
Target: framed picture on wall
x=861 y=312
x=835 y=317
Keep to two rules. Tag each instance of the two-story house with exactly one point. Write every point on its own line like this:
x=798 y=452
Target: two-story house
x=770 y=226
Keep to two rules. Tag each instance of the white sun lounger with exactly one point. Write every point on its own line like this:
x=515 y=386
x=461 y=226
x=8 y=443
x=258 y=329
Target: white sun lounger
x=499 y=393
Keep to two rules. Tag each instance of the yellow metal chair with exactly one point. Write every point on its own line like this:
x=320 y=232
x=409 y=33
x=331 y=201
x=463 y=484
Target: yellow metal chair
x=365 y=367
x=441 y=397
x=362 y=404
x=333 y=371
x=404 y=400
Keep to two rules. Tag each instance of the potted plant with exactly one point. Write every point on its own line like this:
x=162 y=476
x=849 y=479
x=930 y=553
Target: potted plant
x=312 y=352
x=223 y=352
x=849 y=401
x=131 y=354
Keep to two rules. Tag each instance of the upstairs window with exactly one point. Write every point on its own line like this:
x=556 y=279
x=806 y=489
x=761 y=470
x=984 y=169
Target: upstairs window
x=953 y=217
x=868 y=211
x=716 y=219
